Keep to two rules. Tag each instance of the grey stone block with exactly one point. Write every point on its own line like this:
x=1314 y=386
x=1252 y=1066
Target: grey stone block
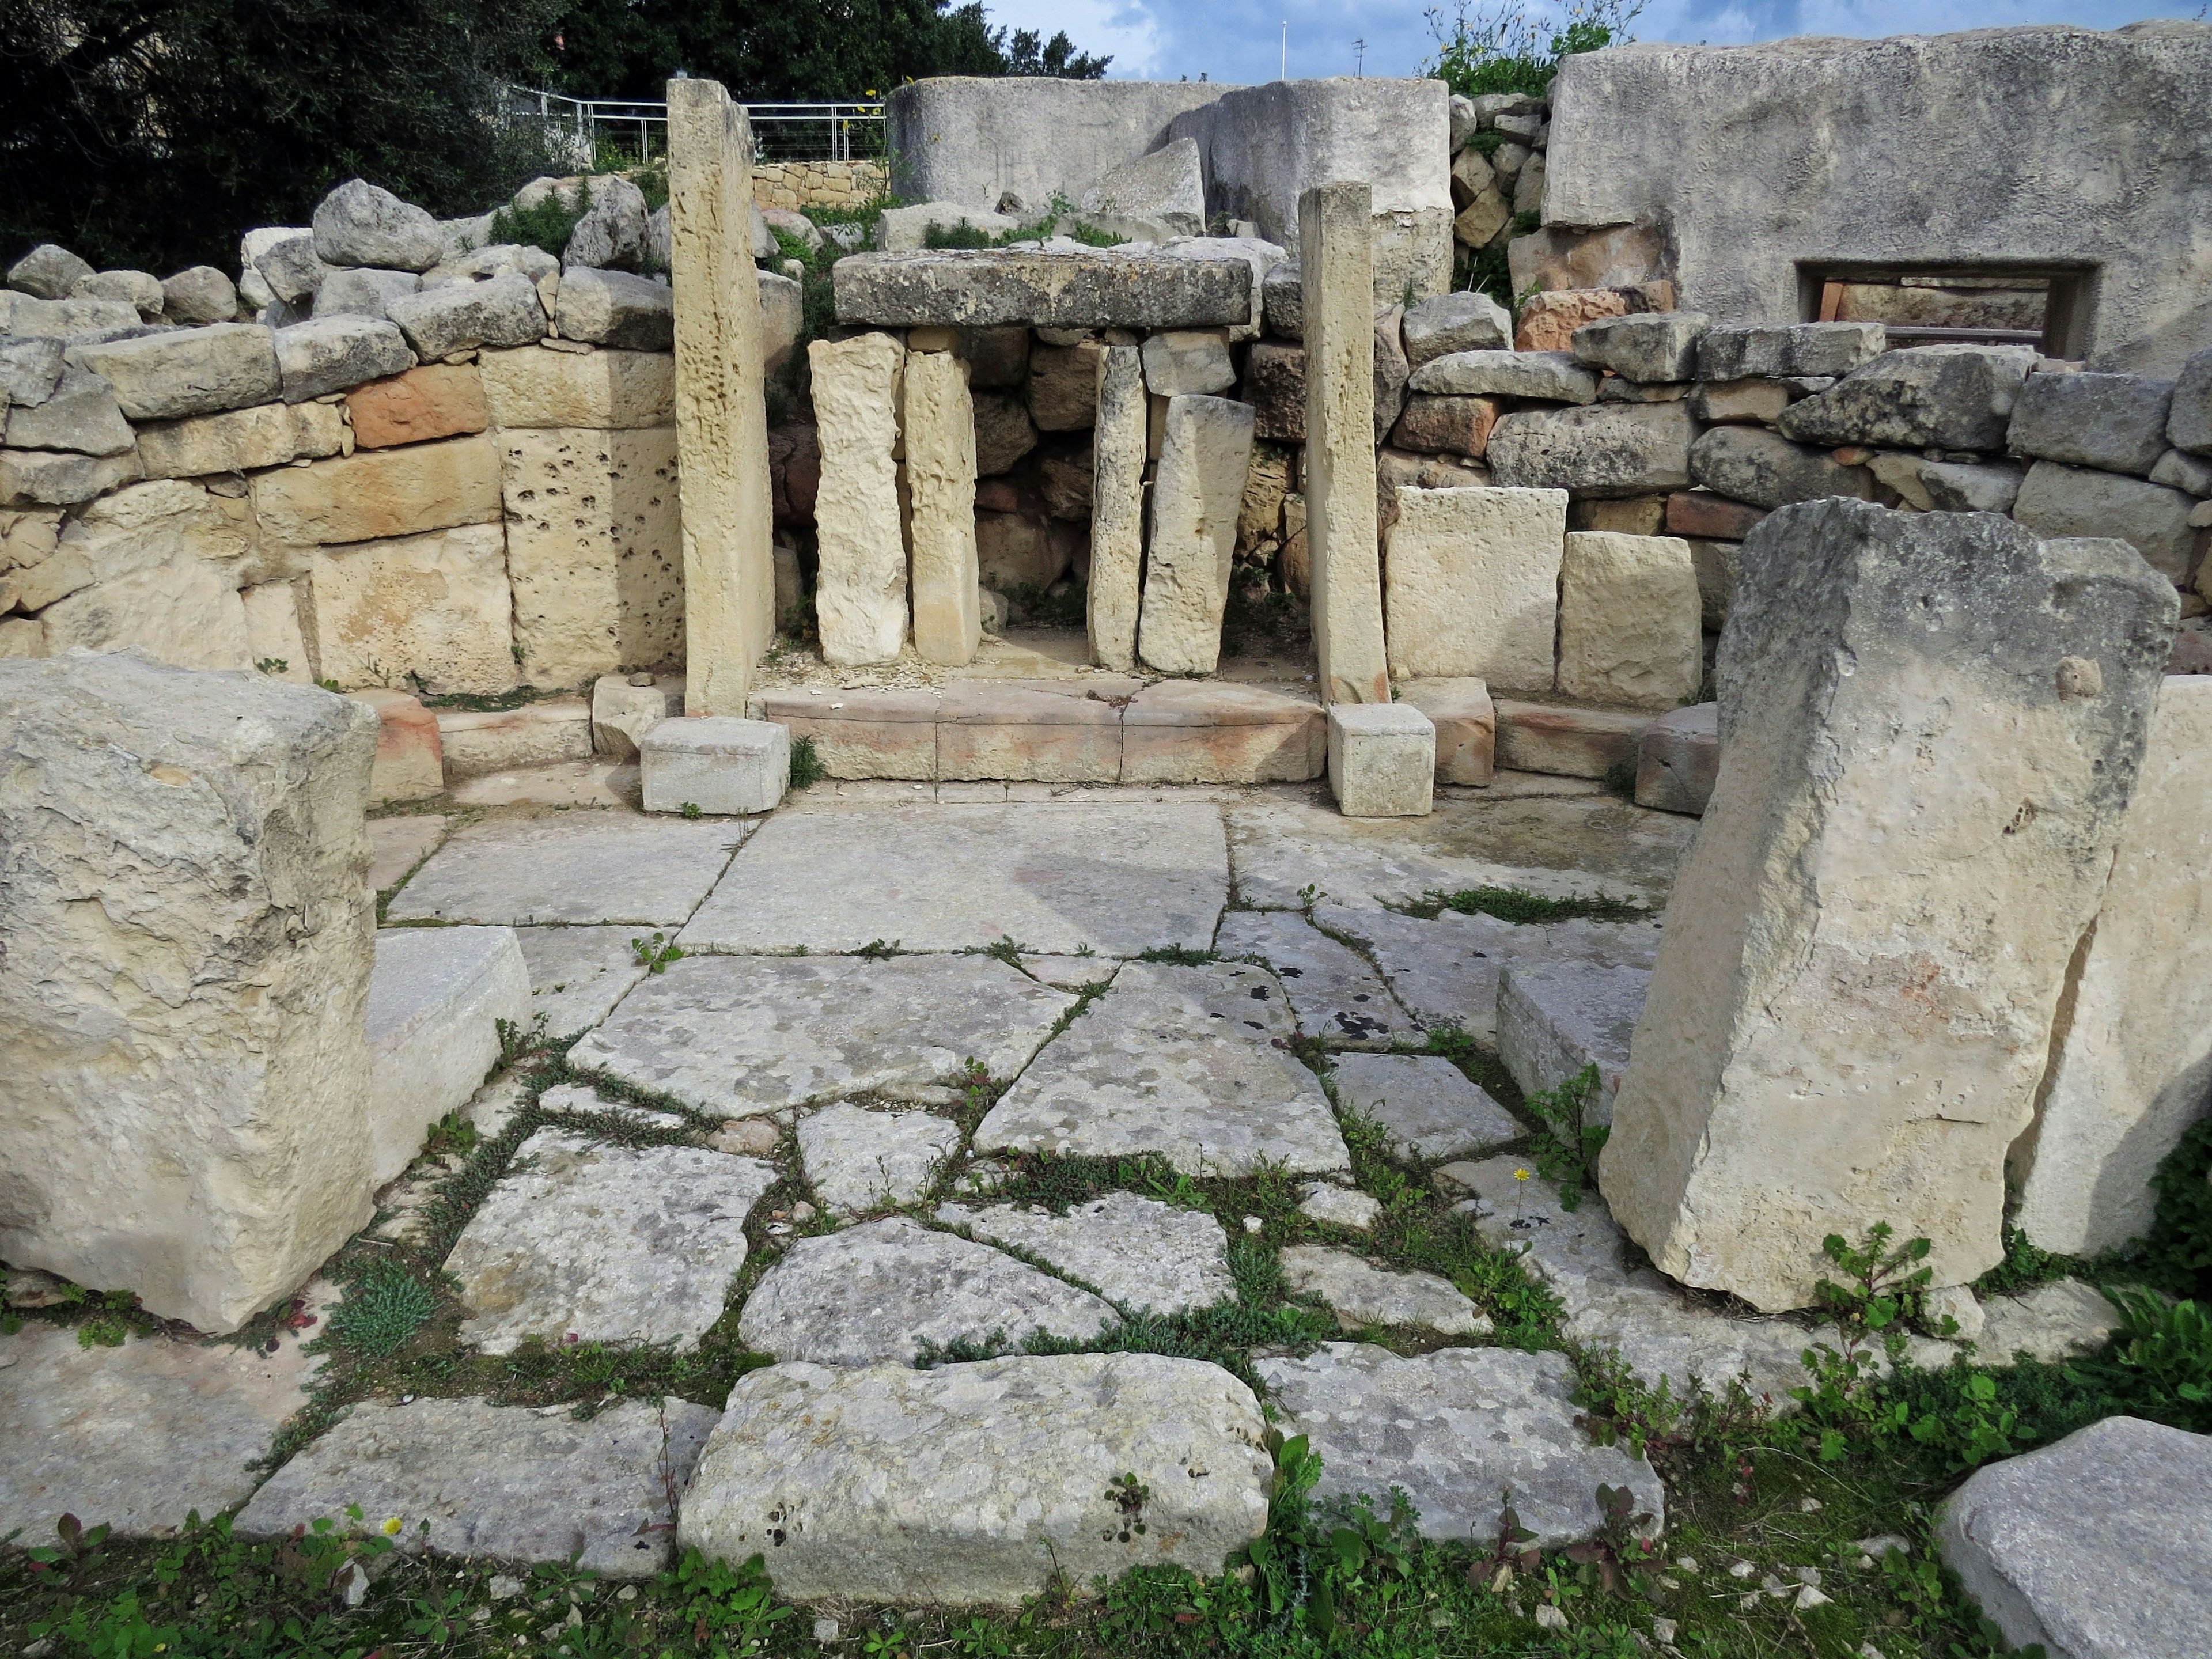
x=39 y=477
x=48 y=271
x=197 y=295
x=80 y=415
x=1738 y=351
x=1425 y=1104
x=2081 y=501
x=1947 y=396
x=1284 y=294
x=613 y=232
x=2189 y=422
x=1972 y=487
x=2178 y=470
x=1650 y=347
x=1678 y=760
x=187 y=371
x=614 y=308
x=1451 y=323
x=331 y=354
x=139 y=289
x=29 y=371
x=1165 y=187
x=1138 y=1252
x=1108 y=289
x=1556 y=1018
x=362 y=291
x=1604 y=450
x=1750 y=463
x=362 y=224
x=291 y=268
x=2115 y=421
x=1551 y=375
x=503 y=312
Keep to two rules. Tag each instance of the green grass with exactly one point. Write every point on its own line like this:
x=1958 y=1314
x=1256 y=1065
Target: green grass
x=1518 y=904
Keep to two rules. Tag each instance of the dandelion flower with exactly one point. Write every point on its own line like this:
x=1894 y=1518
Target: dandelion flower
x=392 y=1525
x=1520 y=1175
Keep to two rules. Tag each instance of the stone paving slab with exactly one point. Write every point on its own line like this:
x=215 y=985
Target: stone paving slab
x=582 y=866
x=1445 y=969
x=577 y=975
x=858 y=1160
x=1334 y=992
x=1071 y=973
x=976 y=1483
x=1364 y=1294
x=873 y=1294
x=1558 y=846
x=1455 y=1429
x=396 y=845
x=1120 y=877
x=1141 y=1253
x=1179 y=1061
x=136 y=1436
x=610 y=1243
x=1426 y=1103
x=734 y=1036
x=582 y=1097
x=505 y=1481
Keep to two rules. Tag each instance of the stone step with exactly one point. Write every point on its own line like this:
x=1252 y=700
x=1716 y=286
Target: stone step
x=1678 y=760
x=1554 y=1018
x=480 y=742
x=410 y=756
x=435 y=998
x=1566 y=740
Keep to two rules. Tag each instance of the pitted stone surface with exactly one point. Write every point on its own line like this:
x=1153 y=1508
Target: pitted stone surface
x=1455 y=1428
x=738 y=1036
x=1179 y=1061
x=978 y=1484
x=575 y=868
x=1142 y=1253
x=610 y=1243
x=1364 y=1294
x=577 y=975
x=873 y=1294
x=503 y=1481
x=1425 y=1102
x=135 y=1437
x=858 y=1160
x=1120 y=877
x=1334 y=992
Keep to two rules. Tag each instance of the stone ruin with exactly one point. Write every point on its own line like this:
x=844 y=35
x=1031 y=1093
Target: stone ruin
x=1896 y=597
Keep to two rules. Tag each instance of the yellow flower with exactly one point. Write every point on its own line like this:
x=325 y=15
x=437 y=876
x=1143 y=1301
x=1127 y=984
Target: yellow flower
x=1520 y=1175
x=391 y=1526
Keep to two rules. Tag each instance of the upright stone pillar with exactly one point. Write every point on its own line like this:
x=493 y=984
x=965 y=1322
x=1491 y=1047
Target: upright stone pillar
x=859 y=587
x=1930 y=727
x=186 y=1108
x=940 y=470
x=2132 y=1065
x=722 y=419
x=1336 y=257
x=1204 y=453
x=1117 y=508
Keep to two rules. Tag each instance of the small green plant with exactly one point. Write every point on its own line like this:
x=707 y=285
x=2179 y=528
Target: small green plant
x=806 y=766
x=1568 y=1152
x=1499 y=46
x=2164 y=1356
x=329 y=685
x=546 y=223
x=1616 y=1556
x=385 y=1306
x=654 y=955
x=1179 y=956
x=691 y=810
x=1519 y=905
x=273 y=665
x=878 y=949
x=1128 y=1495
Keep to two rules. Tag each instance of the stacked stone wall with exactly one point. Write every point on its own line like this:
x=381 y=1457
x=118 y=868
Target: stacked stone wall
x=791 y=185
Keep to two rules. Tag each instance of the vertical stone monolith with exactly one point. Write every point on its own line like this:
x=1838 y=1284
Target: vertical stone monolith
x=1336 y=252
x=183 y=893
x=1204 y=456
x=859 y=588
x=1117 y=508
x=721 y=418
x=2132 y=1065
x=1930 y=727
x=940 y=470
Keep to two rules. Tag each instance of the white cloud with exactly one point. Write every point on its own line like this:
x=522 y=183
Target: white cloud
x=1126 y=29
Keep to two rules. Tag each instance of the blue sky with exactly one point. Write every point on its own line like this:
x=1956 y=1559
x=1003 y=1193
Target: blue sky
x=1239 y=41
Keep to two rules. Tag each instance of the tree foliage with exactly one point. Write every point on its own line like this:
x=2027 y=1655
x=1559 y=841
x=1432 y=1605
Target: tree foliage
x=1501 y=45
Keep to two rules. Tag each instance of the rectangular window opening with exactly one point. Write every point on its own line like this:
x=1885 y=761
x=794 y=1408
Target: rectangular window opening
x=1930 y=305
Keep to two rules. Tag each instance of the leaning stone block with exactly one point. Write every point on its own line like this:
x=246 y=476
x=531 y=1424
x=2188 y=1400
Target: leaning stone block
x=860 y=592
x=622 y=713
x=717 y=764
x=539 y=386
x=333 y=353
x=1631 y=628
x=187 y=371
x=1555 y=1019
x=503 y=312
x=1470 y=583
x=1467 y=725
x=50 y=271
x=373 y=494
x=435 y=607
x=1381 y=760
x=1941 y=720
x=2116 y=421
x=435 y=1002
x=852 y=1467
x=1187 y=362
x=2133 y=1070
x=1678 y=759
x=1203 y=458
x=186 y=1103
x=2093 y=1549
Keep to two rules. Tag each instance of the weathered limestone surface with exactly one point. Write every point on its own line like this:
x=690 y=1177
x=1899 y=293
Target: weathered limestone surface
x=1454 y=1429
x=1362 y=1294
x=189 y=928
x=1470 y=584
x=2074 y=500
x=240 y=441
x=334 y=352
x=1630 y=623
x=978 y=1483
x=1555 y=1019
x=1178 y=1061
x=610 y=1243
x=2095 y=1547
x=184 y=612
x=535 y=386
x=2064 y=1319
x=939 y=430
x=1750 y=463
x=960 y=288
x=714 y=763
x=859 y=596
x=1951 y=806
x=1507 y=374
x=739 y=1036
x=1381 y=760
x=2132 y=1068
x=1337 y=260
x=375 y=495
x=1425 y=1102
x=1948 y=397
x=1137 y=1252
x=409 y=749
x=1204 y=456
x=1678 y=759
x=873 y=1294
x=611 y=867
x=439 y=400
x=1466 y=719
x=1118 y=506
x=435 y=1003
x=436 y=606
x=721 y=418
x=577 y=975
x=1334 y=993
x=500 y=1480
x=857 y=1160
x=191 y=371
x=1596 y=450
x=138 y=1436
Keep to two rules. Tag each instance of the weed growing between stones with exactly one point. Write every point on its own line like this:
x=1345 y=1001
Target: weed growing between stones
x=1568 y=1149
x=385 y=1306
x=1519 y=905
x=806 y=766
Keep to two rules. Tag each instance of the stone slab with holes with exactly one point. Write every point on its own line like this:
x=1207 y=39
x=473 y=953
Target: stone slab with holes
x=580 y=866
x=1336 y=996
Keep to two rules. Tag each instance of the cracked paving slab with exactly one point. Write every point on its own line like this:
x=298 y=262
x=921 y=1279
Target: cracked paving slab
x=582 y=866
x=1336 y=996
x=1141 y=1253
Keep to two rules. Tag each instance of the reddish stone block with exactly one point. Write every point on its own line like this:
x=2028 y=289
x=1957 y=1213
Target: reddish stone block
x=410 y=758
x=889 y=733
x=439 y=400
x=1217 y=732
x=1716 y=517
x=1467 y=726
x=1566 y=741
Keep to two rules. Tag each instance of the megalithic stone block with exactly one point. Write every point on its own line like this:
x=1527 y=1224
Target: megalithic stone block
x=1117 y=508
x=721 y=416
x=859 y=592
x=1930 y=727
x=1336 y=256
x=940 y=472
x=1204 y=456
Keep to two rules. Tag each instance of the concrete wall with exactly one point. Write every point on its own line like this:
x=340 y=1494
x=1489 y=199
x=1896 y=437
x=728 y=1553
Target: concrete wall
x=2049 y=146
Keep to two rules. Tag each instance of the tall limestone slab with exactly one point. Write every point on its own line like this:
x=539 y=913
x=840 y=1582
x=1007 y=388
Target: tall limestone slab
x=940 y=472
x=1117 y=508
x=1930 y=727
x=184 y=892
x=859 y=590
x=1336 y=251
x=1205 y=453
x=1471 y=587
x=2132 y=1065
x=722 y=419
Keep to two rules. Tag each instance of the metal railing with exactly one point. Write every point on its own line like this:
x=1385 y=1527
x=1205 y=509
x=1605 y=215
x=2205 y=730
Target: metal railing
x=638 y=128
